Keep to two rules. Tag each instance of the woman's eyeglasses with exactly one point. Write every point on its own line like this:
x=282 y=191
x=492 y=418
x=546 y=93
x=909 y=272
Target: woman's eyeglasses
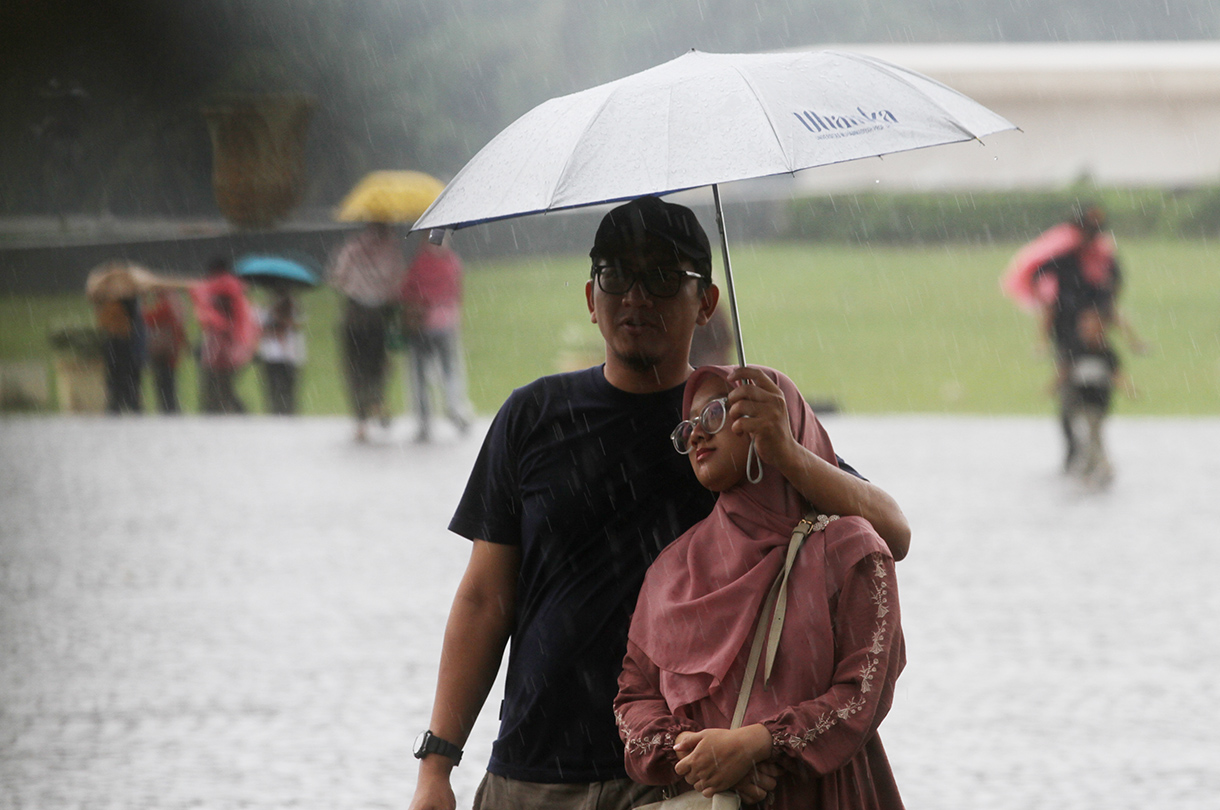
x=660 y=282
x=712 y=420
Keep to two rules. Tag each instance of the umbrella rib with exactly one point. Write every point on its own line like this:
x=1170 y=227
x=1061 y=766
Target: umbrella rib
x=767 y=114
x=593 y=117
x=563 y=172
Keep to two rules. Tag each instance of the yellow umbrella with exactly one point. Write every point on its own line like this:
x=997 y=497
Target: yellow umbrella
x=390 y=196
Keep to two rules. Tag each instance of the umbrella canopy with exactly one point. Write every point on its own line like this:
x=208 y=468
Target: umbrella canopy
x=275 y=271
x=389 y=196
x=704 y=119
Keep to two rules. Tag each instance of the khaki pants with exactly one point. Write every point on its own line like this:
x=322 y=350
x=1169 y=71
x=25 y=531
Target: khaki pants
x=500 y=793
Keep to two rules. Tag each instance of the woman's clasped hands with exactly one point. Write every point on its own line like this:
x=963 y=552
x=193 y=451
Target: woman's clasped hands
x=716 y=760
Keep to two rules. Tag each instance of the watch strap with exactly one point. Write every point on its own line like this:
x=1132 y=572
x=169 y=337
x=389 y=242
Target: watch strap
x=432 y=744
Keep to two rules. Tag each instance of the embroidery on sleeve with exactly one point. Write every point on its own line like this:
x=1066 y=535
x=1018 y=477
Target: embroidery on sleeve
x=878 y=639
x=881 y=599
x=879 y=595
x=797 y=742
x=866 y=675
x=881 y=588
x=641 y=745
x=853 y=706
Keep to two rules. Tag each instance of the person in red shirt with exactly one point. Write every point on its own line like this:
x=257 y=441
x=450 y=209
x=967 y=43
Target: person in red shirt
x=230 y=336
x=432 y=318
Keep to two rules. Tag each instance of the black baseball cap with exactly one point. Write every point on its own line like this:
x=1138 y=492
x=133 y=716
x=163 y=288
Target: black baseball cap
x=631 y=225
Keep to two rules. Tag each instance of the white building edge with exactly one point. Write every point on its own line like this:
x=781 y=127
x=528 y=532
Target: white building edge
x=1127 y=114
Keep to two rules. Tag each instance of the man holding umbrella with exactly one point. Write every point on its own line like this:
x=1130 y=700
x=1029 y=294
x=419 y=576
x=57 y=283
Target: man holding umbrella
x=575 y=492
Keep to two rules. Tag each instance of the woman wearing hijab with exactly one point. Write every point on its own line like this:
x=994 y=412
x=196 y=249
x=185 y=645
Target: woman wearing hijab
x=813 y=724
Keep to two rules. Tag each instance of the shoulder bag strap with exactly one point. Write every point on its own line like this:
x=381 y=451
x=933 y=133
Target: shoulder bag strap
x=775 y=606
x=812 y=522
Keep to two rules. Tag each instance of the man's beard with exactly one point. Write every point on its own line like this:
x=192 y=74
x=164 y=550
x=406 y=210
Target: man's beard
x=638 y=362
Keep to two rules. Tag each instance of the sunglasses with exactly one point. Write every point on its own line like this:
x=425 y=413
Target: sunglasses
x=713 y=418
x=660 y=282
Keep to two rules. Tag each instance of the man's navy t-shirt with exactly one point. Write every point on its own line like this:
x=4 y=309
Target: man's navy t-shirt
x=584 y=479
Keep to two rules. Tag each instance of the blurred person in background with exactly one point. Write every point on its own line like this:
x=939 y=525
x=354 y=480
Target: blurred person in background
x=712 y=343
x=281 y=351
x=1085 y=381
x=229 y=336
x=368 y=270
x=1082 y=273
x=123 y=348
x=166 y=330
x=1068 y=269
x=431 y=324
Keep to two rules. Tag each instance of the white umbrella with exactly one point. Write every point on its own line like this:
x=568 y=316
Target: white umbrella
x=705 y=119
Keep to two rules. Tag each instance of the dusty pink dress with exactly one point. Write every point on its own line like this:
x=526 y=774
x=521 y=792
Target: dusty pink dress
x=840 y=651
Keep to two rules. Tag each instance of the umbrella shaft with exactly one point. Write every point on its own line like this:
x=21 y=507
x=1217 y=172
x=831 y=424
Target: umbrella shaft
x=728 y=276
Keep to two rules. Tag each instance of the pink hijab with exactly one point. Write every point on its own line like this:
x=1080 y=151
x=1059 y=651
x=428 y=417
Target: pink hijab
x=701 y=598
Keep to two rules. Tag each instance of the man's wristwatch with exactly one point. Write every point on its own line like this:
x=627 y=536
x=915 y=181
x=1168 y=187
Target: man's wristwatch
x=429 y=743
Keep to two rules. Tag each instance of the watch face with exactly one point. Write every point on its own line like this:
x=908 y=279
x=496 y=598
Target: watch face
x=429 y=743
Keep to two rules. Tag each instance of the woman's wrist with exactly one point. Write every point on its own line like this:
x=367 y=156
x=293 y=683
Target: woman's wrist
x=791 y=458
x=758 y=742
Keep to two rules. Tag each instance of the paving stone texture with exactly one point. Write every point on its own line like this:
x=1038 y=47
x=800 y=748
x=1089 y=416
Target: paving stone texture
x=247 y=613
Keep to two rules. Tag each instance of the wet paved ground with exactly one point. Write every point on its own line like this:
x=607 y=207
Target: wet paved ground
x=235 y=613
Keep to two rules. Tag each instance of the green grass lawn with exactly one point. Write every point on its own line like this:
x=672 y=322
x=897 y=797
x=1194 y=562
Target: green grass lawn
x=876 y=329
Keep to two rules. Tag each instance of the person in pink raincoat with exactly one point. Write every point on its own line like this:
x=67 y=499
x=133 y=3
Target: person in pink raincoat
x=814 y=724
x=1068 y=268
x=1067 y=271
x=230 y=336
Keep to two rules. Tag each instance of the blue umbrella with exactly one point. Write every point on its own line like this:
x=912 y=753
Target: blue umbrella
x=275 y=270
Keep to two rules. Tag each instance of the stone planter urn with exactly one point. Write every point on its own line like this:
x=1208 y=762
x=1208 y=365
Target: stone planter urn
x=258 y=155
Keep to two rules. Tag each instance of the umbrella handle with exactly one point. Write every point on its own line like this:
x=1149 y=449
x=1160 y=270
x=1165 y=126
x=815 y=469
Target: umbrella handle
x=753 y=462
x=728 y=276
